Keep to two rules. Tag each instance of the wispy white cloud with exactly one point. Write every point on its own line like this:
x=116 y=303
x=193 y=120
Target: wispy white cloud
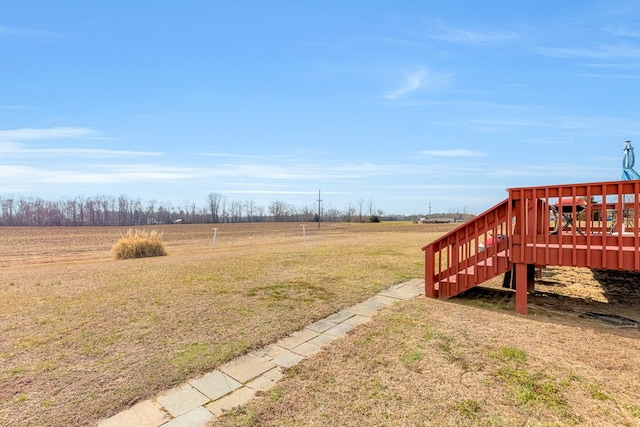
x=469 y=37
x=108 y=173
x=550 y=171
x=412 y=82
x=460 y=152
x=18 y=149
x=12 y=107
x=498 y=124
x=94 y=174
x=415 y=81
x=600 y=51
x=275 y=192
x=303 y=171
x=14 y=143
x=623 y=31
x=544 y=141
x=446 y=187
x=218 y=155
x=30 y=134
x=27 y=33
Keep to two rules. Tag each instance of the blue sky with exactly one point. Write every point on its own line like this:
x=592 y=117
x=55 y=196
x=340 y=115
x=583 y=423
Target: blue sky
x=405 y=104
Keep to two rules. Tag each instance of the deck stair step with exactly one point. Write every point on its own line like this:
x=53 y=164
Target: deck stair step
x=483 y=256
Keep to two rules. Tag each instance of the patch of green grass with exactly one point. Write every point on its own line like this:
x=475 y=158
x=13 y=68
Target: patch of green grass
x=275 y=395
x=191 y=355
x=596 y=392
x=46 y=365
x=242 y=416
x=95 y=344
x=468 y=408
x=411 y=358
x=511 y=354
x=299 y=291
x=18 y=371
x=447 y=346
x=571 y=379
x=527 y=387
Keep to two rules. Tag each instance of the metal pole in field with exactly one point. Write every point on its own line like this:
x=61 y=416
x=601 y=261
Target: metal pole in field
x=213 y=244
x=304 y=232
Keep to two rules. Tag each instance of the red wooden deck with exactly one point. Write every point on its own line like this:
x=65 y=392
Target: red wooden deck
x=593 y=225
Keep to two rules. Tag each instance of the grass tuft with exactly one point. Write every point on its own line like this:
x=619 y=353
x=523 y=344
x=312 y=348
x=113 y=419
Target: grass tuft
x=509 y=354
x=527 y=387
x=596 y=392
x=468 y=408
x=139 y=244
x=275 y=395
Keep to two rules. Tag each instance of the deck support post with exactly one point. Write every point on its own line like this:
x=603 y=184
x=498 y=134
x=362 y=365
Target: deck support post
x=429 y=286
x=522 y=286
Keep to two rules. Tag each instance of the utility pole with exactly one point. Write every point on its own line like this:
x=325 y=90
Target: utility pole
x=429 y=207
x=319 y=210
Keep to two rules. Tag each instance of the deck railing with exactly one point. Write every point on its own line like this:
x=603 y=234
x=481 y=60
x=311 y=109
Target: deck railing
x=591 y=225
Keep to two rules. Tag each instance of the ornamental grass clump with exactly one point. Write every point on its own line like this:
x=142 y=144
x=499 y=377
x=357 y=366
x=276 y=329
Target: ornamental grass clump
x=139 y=244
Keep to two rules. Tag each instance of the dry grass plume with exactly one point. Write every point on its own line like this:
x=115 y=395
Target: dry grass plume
x=139 y=244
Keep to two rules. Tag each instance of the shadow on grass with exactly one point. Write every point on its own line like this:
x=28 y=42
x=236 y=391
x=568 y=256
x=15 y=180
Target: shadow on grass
x=619 y=286
x=552 y=307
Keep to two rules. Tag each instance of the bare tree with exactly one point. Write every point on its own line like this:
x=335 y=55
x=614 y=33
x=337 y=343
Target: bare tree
x=151 y=211
x=360 y=204
x=104 y=210
x=261 y=212
x=225 y=214
x=250 y=209
x=372 y=206
x=236 y=211
x=80 y=200
x=214 y=200
x=278 y=209
x=350 y=211
x=308 y=214
x=7 y=211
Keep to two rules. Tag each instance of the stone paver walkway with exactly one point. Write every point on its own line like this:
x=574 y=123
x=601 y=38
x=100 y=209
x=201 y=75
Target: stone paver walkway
x=194 y=403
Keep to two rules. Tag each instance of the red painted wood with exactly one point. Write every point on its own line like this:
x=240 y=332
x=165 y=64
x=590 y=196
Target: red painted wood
x=599 y=229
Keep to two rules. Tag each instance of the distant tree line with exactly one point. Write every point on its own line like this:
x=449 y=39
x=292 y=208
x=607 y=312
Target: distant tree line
x=126 y=211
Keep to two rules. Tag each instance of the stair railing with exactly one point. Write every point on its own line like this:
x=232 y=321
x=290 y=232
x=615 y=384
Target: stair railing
x=476 y=251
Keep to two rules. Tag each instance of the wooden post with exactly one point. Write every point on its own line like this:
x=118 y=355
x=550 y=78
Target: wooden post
x=213 y=243
x=531 y=278
x=429 y=286
x=522 y=285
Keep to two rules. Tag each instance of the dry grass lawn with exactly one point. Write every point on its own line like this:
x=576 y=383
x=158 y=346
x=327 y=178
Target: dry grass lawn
x=471 y=361
x=85 y=336
x=438 y=363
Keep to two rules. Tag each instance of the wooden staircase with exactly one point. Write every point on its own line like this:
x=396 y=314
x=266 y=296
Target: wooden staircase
x=593 y=225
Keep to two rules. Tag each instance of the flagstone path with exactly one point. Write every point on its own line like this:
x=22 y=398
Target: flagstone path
x=233 y=384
